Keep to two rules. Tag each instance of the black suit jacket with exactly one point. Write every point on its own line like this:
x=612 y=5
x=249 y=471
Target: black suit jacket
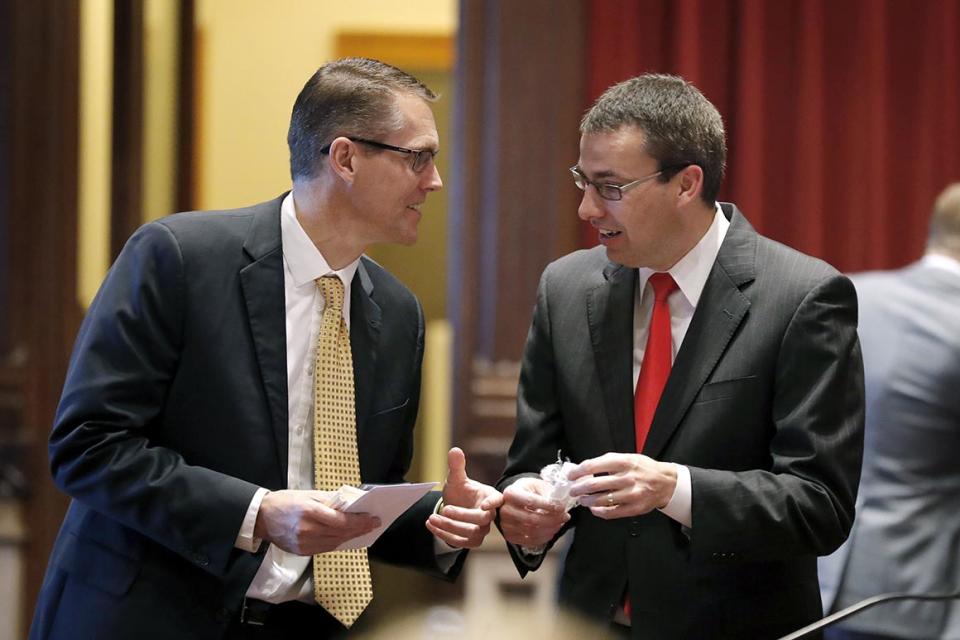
x=174 y=412
x=764 y=404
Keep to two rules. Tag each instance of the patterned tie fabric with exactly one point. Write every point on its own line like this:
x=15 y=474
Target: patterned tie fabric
x=341 y=579
x=657 y=359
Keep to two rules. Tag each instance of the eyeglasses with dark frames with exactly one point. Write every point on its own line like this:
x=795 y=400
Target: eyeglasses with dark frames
x=615 y=192
x=421 y=157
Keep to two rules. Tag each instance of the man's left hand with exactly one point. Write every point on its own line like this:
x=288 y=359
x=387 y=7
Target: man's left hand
x=468 y=506
x=629 y=484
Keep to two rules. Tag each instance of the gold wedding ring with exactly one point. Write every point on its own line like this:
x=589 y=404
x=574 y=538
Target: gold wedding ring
x=610 y=501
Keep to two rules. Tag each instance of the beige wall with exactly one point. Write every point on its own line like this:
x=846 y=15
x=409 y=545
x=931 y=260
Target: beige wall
x=253 y=58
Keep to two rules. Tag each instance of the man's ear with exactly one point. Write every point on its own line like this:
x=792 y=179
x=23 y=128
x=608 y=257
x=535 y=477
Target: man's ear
x=690 y=183
x=342 y=159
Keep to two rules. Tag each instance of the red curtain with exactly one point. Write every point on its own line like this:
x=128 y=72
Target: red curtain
x=842 y=116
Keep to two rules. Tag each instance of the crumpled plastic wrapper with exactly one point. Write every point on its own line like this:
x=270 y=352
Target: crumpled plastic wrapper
x=555 y=475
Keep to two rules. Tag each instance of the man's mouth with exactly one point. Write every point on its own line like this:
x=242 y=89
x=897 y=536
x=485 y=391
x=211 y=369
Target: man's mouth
x=608 y=233
x=415 y=206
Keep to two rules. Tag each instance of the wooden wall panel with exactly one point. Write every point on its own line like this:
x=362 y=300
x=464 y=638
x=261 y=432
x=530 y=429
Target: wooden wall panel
x=39 y=213
x=513 y=209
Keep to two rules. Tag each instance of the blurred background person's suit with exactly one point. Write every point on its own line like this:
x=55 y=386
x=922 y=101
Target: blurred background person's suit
x=906 y=536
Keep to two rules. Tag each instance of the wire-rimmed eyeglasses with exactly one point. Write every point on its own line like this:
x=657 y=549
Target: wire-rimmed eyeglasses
x=615 y=192
x=421 y=157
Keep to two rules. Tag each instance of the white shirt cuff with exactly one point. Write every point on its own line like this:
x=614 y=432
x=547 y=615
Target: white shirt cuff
x=245 y=539
x=446 y=554
x=680 y=506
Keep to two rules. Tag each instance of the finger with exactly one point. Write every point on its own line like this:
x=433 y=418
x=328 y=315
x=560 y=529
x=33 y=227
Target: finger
x=609 y=513
x=607 y=499
x=323 y=497
x=524 y=499
x=451 y=539
x=324 y=515
x=363 y=521
x=598 y=484
x=524 y=519
x=536 y=486
x=456 y=527
x=473 y=516
x=607 y=463
x=493 y=501
x=457 y=465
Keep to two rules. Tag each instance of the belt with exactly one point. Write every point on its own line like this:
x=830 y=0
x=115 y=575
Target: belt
x=258 y=613
x=255 y=612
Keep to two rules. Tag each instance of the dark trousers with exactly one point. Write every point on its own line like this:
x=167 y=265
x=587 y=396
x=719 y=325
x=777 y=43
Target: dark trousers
x=262 y=621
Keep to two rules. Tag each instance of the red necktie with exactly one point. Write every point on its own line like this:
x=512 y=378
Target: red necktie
x=657 y=359
x=655 y=368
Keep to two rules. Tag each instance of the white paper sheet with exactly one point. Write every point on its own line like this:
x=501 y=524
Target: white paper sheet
x=387 y=502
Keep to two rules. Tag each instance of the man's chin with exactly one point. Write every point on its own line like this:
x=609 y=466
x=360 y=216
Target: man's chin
x=621 y=258
x=406 y=239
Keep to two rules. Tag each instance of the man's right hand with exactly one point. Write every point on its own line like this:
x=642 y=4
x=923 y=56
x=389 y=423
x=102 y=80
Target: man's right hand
x=300 y=522
x=528 y=518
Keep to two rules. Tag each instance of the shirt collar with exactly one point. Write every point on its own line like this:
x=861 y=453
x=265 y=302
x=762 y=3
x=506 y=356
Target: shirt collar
x=692 y=270
x=304 y=260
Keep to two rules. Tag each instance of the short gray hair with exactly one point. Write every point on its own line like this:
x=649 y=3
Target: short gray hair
x=681 y=127
x=945 y=222
x=353 y=97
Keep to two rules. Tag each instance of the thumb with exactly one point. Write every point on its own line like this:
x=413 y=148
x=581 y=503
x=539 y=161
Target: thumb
x=457 y=463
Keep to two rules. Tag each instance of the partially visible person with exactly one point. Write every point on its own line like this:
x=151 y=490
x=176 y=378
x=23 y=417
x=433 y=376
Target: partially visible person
x=236 y=366
x=706 y=379
x=906 y=536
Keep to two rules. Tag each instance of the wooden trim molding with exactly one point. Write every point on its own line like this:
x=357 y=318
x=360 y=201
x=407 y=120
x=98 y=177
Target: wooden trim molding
x=423 y=52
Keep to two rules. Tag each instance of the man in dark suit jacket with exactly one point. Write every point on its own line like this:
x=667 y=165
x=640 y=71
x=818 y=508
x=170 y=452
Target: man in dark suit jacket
x=748 y=471
x=906 y=538
x=184 y=430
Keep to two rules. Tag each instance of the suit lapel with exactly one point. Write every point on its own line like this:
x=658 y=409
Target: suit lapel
x=611 y=334
x=364 y=342
x=720 y=311
x=262 y=284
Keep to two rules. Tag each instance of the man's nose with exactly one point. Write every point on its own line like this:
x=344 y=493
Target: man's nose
x=431 y=179
x=590 y=205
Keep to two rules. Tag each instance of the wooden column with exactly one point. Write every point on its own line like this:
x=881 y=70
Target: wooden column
x=520 y=68
x=38 y=210
x=126 y=197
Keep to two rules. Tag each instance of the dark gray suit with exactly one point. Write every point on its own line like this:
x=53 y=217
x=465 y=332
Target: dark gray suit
x=174 y=411
x=764 y=404
x=906 y=537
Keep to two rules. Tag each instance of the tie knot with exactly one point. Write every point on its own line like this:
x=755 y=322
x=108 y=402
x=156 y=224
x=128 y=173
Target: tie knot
x=332 y=289
x=663 y=285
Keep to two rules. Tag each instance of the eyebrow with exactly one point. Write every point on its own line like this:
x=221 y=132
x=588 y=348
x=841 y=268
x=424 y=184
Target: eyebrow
x=599 y=175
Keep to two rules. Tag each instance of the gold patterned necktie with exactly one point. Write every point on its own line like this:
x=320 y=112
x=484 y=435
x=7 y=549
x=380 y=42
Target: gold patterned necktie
x=341 y=579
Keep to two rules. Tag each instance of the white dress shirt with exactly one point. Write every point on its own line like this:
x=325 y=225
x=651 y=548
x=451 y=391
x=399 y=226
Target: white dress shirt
x=690 y=273
x=284 y=576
